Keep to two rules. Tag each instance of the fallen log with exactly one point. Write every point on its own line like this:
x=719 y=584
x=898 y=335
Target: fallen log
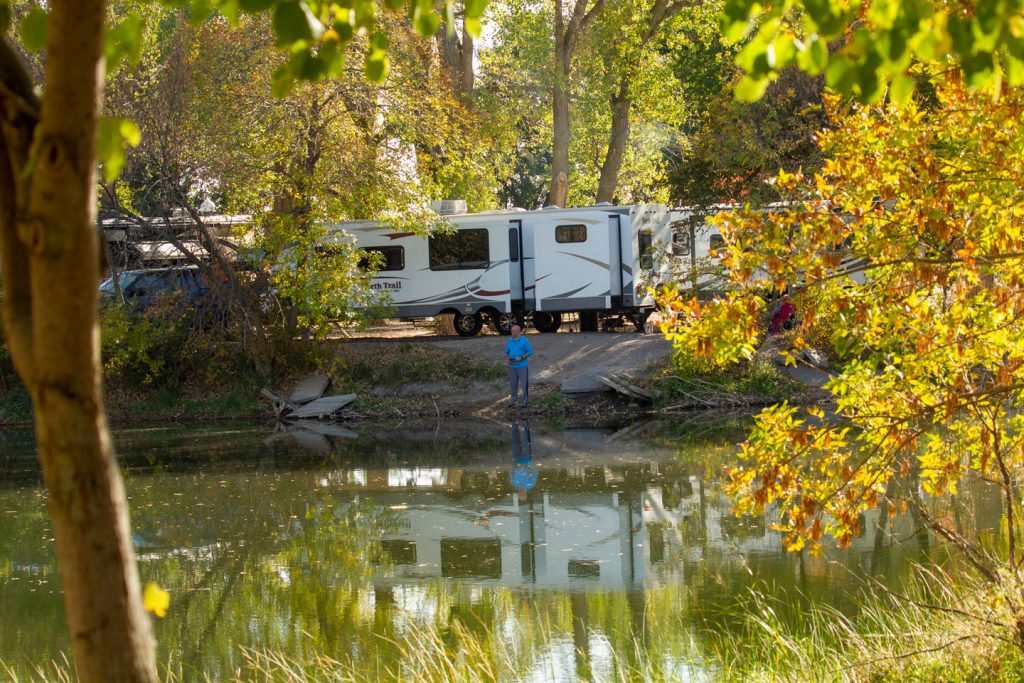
x=281 y=404
x=626 y=389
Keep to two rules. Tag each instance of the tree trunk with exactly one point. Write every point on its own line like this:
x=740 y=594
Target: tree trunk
x=456 y=50
x=466 y=63
x=621 y=103
x=559 y=194
x=567 y=35
x=49 y=236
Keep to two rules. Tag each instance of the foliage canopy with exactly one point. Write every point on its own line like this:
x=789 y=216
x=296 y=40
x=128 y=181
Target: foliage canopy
x=909 y=251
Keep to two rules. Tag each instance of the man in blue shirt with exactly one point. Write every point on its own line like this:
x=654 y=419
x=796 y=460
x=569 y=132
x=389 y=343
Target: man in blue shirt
x=517 y=352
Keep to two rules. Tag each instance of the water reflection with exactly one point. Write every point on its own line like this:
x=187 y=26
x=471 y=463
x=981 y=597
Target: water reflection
x=565 y=549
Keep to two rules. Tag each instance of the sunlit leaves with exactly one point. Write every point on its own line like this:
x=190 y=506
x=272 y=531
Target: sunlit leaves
x=424 y=18
x=923 y=206
x=878 y=41
x=156 y=600
x=315 y=33
x=123 y=42
x=114 y=137
x=255 y=6
x=377 y=63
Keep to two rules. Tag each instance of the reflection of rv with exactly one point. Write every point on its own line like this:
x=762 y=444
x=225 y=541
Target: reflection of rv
x=509 y=266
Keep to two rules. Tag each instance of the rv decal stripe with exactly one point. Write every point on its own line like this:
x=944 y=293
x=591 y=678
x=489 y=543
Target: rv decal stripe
x=484 y=292
x=399 y=235
x=569 y=293
x=587 y=258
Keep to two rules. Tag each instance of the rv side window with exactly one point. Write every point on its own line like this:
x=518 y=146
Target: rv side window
x=390 y=258
x=646 y=249
x=465 y=249
x=680 y=243
x=716 y=242
x=513 y=245
x=570 y=233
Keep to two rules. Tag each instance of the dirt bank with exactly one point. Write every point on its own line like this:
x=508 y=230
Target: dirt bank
x=564 y=371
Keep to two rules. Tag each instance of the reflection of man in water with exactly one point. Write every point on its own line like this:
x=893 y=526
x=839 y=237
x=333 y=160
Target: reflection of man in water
x=524 y=474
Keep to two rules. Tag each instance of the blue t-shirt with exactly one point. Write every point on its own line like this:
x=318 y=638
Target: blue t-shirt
x=514 y=348
x=523 y=477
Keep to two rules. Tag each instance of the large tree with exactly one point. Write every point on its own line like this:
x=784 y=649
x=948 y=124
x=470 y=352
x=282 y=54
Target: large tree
x=905 y=254
x=631 y=52
x=571 y=25
x=50 y=267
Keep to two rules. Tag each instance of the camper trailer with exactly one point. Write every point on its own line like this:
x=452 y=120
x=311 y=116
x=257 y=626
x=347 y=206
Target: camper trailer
x=513 y=266
x=694 y=240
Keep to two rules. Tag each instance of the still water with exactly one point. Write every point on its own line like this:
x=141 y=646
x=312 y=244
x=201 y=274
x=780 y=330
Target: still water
x=578 y=549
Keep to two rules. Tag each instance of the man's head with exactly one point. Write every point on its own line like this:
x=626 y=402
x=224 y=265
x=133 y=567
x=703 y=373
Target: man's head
x=516 y=330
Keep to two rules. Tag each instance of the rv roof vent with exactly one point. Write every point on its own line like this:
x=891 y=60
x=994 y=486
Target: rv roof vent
x=449 y=207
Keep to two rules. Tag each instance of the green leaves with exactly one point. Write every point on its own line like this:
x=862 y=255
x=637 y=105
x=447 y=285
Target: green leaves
x=424 y=18
x=473 y=11
x=33 y=29
x=123 y=42
x=294 y=22
x=984 y=39
x=317 y=54
x=377 y=64
x=113 y=138
x=255 y=6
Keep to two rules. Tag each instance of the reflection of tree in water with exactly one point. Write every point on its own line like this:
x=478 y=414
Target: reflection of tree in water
x=289 y=562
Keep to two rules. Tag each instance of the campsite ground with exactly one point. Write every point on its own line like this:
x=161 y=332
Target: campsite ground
x=563 y=372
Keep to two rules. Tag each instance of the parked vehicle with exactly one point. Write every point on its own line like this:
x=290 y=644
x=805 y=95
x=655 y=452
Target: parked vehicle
x=510 y=266
x=695 y=240
x=142 y=288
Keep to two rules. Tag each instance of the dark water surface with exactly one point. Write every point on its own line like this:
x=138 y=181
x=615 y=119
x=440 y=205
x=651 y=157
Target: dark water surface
x=571 y=546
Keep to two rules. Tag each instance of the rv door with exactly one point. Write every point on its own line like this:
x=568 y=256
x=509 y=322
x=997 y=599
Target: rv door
x=516 y=269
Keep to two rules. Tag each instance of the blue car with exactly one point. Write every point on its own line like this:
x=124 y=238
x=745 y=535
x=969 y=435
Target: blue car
x=142 y=288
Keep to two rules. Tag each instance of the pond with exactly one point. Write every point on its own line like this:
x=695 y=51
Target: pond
x=557 y=554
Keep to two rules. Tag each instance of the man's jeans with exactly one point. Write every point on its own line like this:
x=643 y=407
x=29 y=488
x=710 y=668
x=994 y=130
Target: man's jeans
x=517 y=377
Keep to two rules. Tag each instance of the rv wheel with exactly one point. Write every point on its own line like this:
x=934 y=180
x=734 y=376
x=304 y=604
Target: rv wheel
x=639 y=319
x=547 y=322
x=467 y=325
x=503 y=322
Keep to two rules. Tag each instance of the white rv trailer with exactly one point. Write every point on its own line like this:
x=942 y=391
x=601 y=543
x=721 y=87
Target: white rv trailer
x=515 y=265
x=694 y=239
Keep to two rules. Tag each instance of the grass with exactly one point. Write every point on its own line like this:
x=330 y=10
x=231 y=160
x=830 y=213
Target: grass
x=754 y=382
x=552 y=402
x=405 y=363
x=936 y=630
x=959 y=638
x=235 y=399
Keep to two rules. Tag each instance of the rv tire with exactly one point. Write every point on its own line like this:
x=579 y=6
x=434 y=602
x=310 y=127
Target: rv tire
x=503 y=322
x=639 y=319
x=547 y=322
x=468 y=324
